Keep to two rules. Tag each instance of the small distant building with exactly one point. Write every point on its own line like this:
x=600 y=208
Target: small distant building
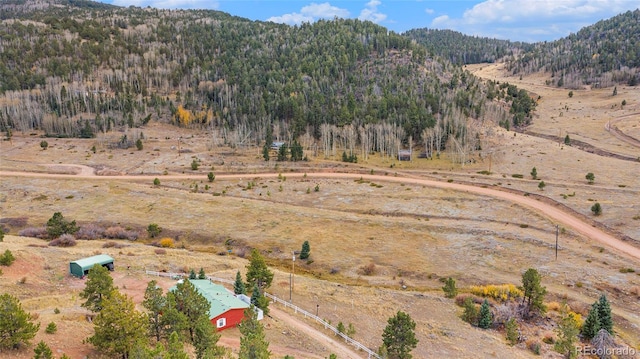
x=276 y=145
x=226 y=310
x=404 y=155
x=80 y=267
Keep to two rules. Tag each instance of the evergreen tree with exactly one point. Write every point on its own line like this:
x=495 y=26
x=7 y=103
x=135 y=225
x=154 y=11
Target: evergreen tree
x=596 y=209
x=542 y=185
x=567 y=331
x=175 y=348
x=16 y=325
x=141 y=350
x=192 y=304
x=265 y=152
x=306 y=250
x=192 y=274
x=259 y=300
x=58 y=225
x=591 y=325
x=155 y=304
x=590 y=177
x=470 y=313
x=172 y=320
x=449 y=289
x=399 y=337
x=485 y=320
x=511 y=328
x=118 y=326
x=42 y=351
x=534 y=173
x=604 y=314
x=283 y=152
x=1 y=234
x=253 y=344
x=201 y=274
x=257 y=271
x=296 y=151
x=534 y=292
x=7 y=258
x=154 y=230
x=98 y=287
x=255 y=295
x=238 y=285
x=206 y=340
x=567 y=140
x=52 y=328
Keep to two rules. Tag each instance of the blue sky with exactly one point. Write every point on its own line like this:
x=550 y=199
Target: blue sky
x=518 y=20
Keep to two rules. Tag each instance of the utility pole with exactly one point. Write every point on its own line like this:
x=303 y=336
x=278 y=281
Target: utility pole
x=293 y=271
x=557 y=232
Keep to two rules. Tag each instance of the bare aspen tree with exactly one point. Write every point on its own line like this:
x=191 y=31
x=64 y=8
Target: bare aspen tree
x=351 y=136
x=325 y=136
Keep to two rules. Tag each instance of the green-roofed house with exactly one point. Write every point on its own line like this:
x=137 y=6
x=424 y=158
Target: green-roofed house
x=81 y=267
x=227 y=310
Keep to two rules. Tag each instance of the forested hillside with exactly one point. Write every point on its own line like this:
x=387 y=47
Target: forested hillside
x=77 y=68
x=602 y=54
x=462 y=49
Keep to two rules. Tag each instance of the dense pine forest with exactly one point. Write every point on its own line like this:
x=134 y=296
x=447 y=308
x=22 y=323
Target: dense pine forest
x=601 y=55
x=78 y=68
x=462 y=49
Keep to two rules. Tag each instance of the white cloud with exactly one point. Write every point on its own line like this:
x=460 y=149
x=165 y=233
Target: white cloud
x=291 y=19
x=170 y=4
x=529 y=20
x=310 y=13
x=324 y=11
x=429 y=11
x=370 y=12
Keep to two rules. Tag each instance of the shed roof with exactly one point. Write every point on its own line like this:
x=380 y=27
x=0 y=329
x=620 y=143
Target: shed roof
x=219 y=297
x=89 y=262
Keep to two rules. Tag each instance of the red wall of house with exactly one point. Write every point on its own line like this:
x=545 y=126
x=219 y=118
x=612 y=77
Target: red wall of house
x=233 y=317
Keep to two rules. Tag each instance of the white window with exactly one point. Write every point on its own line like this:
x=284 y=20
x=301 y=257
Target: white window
x=221 y=322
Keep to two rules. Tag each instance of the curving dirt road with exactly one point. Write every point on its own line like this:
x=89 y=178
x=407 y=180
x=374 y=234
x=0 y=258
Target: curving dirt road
x=615 y=131
x=550 y=211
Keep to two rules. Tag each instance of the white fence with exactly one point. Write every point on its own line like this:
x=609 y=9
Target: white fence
x=296 y=309
x=179 y=275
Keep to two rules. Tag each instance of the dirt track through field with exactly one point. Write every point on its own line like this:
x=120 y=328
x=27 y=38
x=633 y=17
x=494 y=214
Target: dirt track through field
x=614 y=130
x=548 y=210
x=335 y=346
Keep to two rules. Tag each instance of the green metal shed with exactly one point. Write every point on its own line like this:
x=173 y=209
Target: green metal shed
x=81 y=267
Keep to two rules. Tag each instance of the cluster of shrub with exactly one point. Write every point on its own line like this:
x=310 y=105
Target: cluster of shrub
x=63 y=233
x=507 y=306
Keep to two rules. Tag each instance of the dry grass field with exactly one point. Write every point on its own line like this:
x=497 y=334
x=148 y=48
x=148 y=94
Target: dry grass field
x=413 y=235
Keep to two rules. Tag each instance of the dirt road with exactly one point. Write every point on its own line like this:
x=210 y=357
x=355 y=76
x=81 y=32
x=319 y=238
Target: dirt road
x=615 y=131
x=548 y=210
x=333 y=345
